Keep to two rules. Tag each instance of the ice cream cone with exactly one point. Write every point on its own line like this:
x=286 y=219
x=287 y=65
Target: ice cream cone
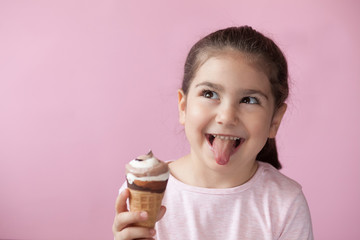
x=146 y=201
x=147 y=178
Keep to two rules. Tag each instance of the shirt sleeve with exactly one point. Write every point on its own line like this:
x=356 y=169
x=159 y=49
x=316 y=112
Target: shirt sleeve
x=298 y=225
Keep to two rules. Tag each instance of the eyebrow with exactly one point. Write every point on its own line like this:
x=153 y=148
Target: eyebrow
x=253 y=91
x=211 y=85
x=243 y=91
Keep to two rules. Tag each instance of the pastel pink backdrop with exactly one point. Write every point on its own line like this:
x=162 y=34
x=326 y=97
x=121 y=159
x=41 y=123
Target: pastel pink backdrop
x=85 y=86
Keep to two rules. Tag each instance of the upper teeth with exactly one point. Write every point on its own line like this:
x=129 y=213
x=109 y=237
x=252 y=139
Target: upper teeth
x=226 y=137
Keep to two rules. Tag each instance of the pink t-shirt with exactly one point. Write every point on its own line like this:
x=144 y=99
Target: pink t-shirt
x=268 y=206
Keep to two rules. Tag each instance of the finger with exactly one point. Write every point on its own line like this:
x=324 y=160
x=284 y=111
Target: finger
x=135 y=233
x=120 y=205
x=124 y=219
x=161 y=213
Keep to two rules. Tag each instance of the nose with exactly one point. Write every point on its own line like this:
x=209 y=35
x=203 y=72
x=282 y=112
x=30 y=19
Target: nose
x=227 y=115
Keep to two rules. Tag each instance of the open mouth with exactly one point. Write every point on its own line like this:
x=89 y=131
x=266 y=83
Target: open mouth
x=237 y=141
x=223 y=146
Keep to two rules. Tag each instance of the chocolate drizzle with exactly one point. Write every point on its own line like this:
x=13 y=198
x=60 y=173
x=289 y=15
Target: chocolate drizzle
x=154 y=186
x=145 y=157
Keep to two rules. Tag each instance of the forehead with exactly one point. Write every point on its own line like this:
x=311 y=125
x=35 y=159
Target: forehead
x=235 y=69
x=255 y=60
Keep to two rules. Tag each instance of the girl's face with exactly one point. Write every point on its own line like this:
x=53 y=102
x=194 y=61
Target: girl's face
x=228 y=112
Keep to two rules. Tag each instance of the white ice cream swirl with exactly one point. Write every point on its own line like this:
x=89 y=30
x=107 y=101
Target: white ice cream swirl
x=147 y=168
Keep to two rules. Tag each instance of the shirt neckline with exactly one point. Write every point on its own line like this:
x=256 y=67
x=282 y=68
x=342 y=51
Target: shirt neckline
x=186 y=187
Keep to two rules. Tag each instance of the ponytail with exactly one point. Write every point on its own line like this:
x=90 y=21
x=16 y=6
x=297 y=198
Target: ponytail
x=269 y=154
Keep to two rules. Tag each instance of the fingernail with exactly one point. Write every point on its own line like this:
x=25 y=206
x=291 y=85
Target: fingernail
x=143 y=215
x=152 y=232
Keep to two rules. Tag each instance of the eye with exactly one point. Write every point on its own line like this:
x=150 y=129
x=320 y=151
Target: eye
x=210 y=94
x=250 y=100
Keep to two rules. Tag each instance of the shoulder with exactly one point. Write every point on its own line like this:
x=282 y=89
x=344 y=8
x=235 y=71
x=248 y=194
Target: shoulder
x=288 y=204
x=276 y=178
x=277 y=183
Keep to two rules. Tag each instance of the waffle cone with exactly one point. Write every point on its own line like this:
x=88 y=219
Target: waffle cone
x=146 y=201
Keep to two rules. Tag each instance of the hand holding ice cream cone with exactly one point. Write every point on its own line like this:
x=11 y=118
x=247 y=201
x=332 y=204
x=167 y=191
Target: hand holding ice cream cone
x=125 y=222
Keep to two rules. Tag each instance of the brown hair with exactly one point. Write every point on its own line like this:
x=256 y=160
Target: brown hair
x=256 y=47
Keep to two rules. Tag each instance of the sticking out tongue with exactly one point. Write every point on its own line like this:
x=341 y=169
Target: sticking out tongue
x=223 y=150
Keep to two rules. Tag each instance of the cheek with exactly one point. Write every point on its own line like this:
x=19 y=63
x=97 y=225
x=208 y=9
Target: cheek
x=195 y=112
x=259 y=125
x=197 y=116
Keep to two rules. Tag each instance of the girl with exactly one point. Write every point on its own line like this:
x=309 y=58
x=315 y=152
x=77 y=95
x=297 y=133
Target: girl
x=231 y=104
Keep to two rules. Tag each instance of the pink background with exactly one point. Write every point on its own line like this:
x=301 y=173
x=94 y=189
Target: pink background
x=85 y=86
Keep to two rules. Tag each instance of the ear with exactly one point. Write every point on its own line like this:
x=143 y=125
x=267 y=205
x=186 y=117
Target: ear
x=181 y=106
x=275 y=124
